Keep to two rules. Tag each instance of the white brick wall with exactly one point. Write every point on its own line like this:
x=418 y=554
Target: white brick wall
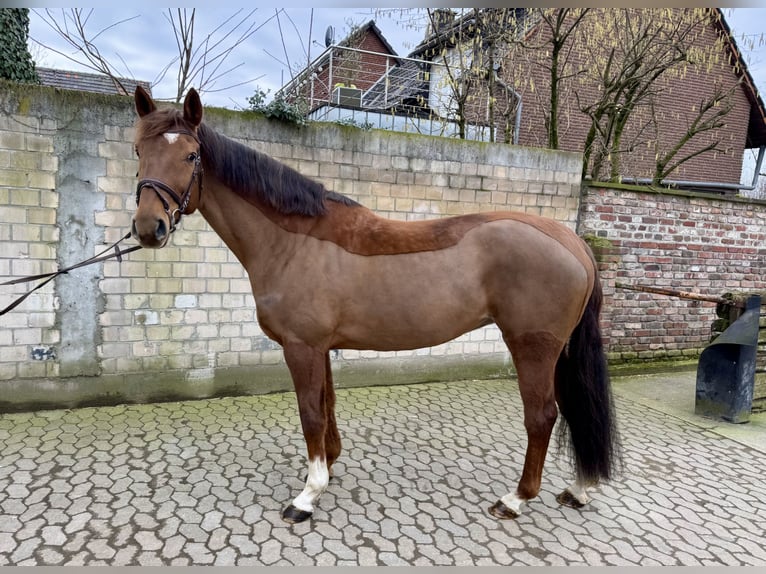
x=27 y=243
x=188 y=308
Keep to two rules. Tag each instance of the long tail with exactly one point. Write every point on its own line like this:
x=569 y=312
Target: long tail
x=585 y=400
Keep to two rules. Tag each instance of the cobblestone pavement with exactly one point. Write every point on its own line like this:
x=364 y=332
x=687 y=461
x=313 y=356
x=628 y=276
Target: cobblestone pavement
x=203 y=482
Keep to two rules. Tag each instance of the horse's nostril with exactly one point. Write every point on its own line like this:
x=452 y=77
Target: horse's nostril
x=161 y=231
x=133 y=230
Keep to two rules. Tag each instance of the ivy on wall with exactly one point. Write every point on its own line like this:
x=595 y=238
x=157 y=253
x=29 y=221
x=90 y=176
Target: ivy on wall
x=16 y=62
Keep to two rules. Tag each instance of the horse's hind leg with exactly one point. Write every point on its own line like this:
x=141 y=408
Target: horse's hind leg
x=535 y=356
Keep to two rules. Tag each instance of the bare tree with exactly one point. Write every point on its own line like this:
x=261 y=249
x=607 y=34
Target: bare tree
x=72 y=27
x=709 y=115
x=202 y=65
x=607 y=74
x=487 y=57
x=645 y=49
x=455 y=53
x=518 y=41
x=497 y=28
x=200 y=62
x=559 y=26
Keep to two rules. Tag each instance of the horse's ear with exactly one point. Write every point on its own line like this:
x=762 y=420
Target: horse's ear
x=193 y=108
x=144 y=102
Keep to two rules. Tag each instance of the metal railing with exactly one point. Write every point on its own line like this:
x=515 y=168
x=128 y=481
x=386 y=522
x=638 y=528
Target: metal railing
x=371 y=89
x=340 y=66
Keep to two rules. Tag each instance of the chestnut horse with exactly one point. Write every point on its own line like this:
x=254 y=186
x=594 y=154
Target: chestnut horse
x=328 y=273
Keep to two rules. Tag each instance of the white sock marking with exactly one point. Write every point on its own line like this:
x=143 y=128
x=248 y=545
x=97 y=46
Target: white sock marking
x=316 y=483
x=513 y=502
x=580 y=492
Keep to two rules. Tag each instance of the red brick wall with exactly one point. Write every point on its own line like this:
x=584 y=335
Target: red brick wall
x=679 y=97
x=364 y=69
x=682 y=241
x=348 y=67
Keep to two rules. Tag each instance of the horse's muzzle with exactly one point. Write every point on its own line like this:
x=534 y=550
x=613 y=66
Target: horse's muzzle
x=150 y=232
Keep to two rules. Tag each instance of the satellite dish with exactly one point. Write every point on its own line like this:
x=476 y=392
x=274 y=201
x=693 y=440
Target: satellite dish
x=329 y=36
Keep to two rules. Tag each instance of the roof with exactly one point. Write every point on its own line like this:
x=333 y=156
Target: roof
x=446 y=33
x=371 y=27
x=324 y=57
x=756 y=129
x=85 y=82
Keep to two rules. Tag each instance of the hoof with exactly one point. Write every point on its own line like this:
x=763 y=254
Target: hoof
x=500 y=510
x=566 y=498
x=294 y=515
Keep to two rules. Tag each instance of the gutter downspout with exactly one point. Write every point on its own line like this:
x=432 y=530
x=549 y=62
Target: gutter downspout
x=706 y=184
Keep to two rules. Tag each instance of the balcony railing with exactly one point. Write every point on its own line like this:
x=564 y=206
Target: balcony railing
x=371 y=89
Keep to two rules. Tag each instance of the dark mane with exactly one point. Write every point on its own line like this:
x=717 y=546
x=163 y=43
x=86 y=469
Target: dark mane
x=248 y=172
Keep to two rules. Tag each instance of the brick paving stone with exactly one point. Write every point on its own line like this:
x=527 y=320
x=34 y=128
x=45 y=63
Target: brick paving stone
x=101 y=549
x=7 y=543
x=24 y=550
x=203 y=482
x=123 y=535
x=312 y=543
x=172 y=547
x=199 y=553
x=148 y=540
x=49 y=557
x=752 y=559
x=567 y=556
x=270 y=552
x=193 y=533
x=53 y=535
x=78 y=522
x=339 y=549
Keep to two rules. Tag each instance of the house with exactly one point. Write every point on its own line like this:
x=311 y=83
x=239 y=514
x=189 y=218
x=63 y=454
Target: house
x=343 y=72
x=364 y=81
x=507 y=98
x=85 y=82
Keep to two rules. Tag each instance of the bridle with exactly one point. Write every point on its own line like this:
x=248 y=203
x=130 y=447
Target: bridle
x=182 y=201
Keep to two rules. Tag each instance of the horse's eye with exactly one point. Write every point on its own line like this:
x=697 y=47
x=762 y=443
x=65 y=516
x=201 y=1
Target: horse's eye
x=192 y=157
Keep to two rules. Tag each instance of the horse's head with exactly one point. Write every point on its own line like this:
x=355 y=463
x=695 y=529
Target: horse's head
x=169 y=167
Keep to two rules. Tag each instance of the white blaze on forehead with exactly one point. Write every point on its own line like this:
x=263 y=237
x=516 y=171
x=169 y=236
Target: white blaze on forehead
x=171 y=137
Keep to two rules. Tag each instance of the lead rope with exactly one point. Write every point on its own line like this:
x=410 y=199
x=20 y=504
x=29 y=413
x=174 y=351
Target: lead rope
x=118 y=253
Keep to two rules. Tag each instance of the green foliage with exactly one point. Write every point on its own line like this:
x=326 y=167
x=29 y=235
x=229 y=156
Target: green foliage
x=279 y=108
x=16 y=63
x=366 y=126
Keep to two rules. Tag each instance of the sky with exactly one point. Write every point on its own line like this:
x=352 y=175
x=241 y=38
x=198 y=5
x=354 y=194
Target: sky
x=142 y=38
x=138 y=40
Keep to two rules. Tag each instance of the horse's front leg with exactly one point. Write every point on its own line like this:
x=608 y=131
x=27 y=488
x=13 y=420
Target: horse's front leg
x=307 y=366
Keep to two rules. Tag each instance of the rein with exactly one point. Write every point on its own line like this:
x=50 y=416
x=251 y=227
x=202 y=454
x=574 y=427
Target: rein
x=118 y=253
x=181 y=201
